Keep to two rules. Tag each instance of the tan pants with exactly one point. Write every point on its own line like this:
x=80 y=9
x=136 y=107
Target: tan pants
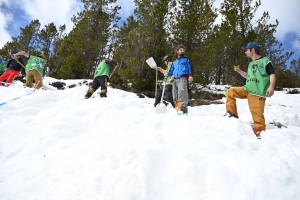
x=256 y=106
x=34 y=75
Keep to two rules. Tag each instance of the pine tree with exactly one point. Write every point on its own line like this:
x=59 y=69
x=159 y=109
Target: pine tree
x=88 y=42
x=295 y=69
x=28 y=39
x=240 y=27
x=191 y=24
x=141 y=37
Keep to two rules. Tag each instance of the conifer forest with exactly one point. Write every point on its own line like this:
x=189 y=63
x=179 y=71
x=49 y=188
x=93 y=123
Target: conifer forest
x=213 y=38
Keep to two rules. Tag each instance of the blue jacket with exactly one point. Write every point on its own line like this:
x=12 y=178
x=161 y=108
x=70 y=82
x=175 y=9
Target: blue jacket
x=181 y=67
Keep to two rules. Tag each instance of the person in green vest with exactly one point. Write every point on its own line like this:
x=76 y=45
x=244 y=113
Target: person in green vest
x=260 y=83
x=169 y=81
x=101 y=77
x=34 y=68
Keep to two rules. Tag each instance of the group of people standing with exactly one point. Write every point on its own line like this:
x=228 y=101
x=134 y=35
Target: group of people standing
x=260 y=81
x=260 y=84
x=178 y=73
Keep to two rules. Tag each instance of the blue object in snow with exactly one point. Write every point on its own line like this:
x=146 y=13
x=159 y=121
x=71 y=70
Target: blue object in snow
x=3 y=103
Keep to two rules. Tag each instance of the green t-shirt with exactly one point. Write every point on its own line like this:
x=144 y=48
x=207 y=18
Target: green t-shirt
x=258 y=80
x=35 y=63
x=167 y=71
x=102 y=69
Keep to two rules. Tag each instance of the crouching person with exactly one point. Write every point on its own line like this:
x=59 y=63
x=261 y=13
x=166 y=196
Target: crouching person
x=13 y=68
x=101 y=77
x=34 y=68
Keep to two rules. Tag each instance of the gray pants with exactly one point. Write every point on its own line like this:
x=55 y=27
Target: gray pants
x=180 y=93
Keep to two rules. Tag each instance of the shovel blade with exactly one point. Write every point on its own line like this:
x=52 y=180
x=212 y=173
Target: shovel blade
x=151 y=62
x=161 y=108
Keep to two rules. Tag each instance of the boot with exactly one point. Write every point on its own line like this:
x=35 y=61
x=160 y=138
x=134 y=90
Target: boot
x=103 y=95
x=88 y=95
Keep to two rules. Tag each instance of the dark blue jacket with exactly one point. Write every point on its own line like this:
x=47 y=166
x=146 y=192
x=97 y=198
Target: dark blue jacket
x=181 y=67
x=13 y=64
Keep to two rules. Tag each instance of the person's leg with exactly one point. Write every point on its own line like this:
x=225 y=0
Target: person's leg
x=38 y=78
x=93 y=88
x=183 y=95
x=231 y=95
x=257 y=106
x=29 y=78
x=12 y=76
x=4 y=77
x=168 y=91
x=158 y=97
x=103 y=85
x=175 y=93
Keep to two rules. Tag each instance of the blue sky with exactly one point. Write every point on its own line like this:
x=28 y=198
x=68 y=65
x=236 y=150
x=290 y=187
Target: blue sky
x=19 y=13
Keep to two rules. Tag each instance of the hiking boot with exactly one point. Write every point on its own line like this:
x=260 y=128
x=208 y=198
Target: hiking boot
x=103 y=95
x=228 y=114
x=88 y=95
x=258 y=134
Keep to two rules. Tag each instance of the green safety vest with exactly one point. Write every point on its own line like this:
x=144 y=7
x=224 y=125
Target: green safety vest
x=258 y=80
x=35 y=63
x=102 y=69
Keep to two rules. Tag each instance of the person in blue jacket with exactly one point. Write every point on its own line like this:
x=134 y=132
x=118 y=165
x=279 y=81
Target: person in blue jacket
x=182 y=71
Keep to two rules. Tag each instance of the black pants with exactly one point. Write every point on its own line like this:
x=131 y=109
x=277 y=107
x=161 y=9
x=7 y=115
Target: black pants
x=168 y=93
x=99 y=81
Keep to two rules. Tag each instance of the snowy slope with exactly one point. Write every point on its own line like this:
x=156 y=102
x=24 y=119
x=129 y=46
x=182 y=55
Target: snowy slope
x=55 y=145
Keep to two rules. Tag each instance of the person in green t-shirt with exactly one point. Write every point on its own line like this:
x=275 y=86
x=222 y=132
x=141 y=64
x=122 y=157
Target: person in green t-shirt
x=168 y=88
x=34 y=68
x=260 y=83
x=101 y=77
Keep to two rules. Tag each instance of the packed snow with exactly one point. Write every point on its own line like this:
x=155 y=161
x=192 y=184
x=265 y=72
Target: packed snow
x=56 y=145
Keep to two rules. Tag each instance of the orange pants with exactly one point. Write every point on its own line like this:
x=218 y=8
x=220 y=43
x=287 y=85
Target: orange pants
x=256 y=106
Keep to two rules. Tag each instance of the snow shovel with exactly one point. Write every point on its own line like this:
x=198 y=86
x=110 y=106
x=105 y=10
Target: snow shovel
x=151 y=62
x=161 y=107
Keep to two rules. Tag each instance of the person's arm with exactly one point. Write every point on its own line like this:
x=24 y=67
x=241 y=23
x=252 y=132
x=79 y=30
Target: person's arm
x=190 y=78
x=161 y=70
x=21 y=53
x=270 y=90
x=112 y=62
x=241 y=72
